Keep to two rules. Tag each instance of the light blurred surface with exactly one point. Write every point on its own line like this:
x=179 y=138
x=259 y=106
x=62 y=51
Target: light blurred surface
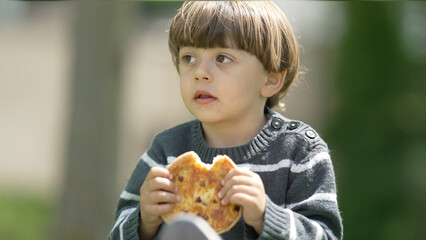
x=34 y=77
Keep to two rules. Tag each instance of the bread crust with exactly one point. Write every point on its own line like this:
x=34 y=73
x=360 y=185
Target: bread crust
x=198 y=186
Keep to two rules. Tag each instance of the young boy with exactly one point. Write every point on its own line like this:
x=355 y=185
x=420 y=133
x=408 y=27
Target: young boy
x=236 y=60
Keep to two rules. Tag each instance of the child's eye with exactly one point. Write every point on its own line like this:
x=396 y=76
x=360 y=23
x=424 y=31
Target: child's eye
x=188 y=59
x=223 y=59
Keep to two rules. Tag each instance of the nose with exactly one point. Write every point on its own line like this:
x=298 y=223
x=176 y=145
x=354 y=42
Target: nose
x=202 y=78
x=202 y=73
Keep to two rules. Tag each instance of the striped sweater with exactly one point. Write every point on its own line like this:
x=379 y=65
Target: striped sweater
x=292 y=160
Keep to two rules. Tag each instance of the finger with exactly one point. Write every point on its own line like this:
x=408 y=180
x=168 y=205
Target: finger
x=242 y=199
x=158 y=209
x=160 y=197
x=239 y=189
x=153 y=185
x=235 y=180
x=161 y=183
x=253 y=207
x=252 y=210
x=236 y=171
x=159 y=172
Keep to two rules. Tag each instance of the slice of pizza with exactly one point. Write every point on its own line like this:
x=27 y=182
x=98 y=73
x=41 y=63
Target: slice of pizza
x=198 y=185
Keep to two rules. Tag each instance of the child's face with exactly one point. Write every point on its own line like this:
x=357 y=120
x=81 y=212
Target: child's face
x=221 y=84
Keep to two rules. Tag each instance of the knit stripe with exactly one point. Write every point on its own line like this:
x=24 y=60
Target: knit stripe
x=123 y=215
x=121 y=228
x=129 y=196
x=319 y=232
x=148 y=160
x=293 y=233
x=286 y=163
x=330 y=197
x=319 y=157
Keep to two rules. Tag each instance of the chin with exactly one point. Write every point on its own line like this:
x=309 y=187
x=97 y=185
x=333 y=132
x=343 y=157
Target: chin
x=205 y=116
x=205 y=119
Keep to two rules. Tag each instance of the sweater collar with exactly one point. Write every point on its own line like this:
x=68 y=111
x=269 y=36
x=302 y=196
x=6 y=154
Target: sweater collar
x=239 y=154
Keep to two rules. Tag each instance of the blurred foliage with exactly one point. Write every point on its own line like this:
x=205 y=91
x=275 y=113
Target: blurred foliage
x=24 y=217
x=155 y=8
x=377 y=136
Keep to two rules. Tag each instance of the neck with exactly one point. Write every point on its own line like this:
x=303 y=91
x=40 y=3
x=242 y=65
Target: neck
x=232 y=134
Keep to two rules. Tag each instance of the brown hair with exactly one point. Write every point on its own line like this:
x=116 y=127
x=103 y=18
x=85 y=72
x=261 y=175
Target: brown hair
x=260 y=28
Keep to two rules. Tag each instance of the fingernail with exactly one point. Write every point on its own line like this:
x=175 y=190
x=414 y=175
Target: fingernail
x=178 y=198
x=176 y=189
x=220 y=194
x=222 y=182
x=223 y=202
x=171 y=176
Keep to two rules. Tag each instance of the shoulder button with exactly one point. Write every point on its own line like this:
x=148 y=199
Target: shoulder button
x=293 y=125
x=310 y=134
x=277 y=123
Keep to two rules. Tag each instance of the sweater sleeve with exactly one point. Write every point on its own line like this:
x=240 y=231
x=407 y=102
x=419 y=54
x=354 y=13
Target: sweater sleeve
x=311 y=210
x=127 y=216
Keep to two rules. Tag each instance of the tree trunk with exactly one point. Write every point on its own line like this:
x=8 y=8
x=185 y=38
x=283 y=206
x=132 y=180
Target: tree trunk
x=88 y=199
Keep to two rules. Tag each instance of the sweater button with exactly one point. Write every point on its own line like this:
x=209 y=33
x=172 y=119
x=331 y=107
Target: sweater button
x=310 y=134
x=277 y=123
x=292 y=125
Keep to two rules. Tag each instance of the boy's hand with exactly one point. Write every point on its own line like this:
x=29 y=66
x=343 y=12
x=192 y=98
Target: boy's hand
x=157 y=197
x=245 y=188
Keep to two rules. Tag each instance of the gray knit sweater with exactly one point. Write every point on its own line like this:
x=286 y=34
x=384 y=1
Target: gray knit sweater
x=292 y=160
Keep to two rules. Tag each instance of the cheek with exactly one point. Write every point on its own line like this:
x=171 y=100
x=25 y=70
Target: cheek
x=251 y=84
x=185 y=89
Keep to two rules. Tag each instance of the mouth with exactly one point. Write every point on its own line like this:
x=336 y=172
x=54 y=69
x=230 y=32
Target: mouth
x=204 y=97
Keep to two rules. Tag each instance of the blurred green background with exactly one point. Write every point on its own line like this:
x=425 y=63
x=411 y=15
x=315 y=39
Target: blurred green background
x=85 y=86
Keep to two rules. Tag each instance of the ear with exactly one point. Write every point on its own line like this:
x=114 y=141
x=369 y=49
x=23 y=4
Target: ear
x=273 y=83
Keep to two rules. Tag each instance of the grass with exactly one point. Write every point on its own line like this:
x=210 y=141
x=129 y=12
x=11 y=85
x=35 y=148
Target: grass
x=25 y=217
